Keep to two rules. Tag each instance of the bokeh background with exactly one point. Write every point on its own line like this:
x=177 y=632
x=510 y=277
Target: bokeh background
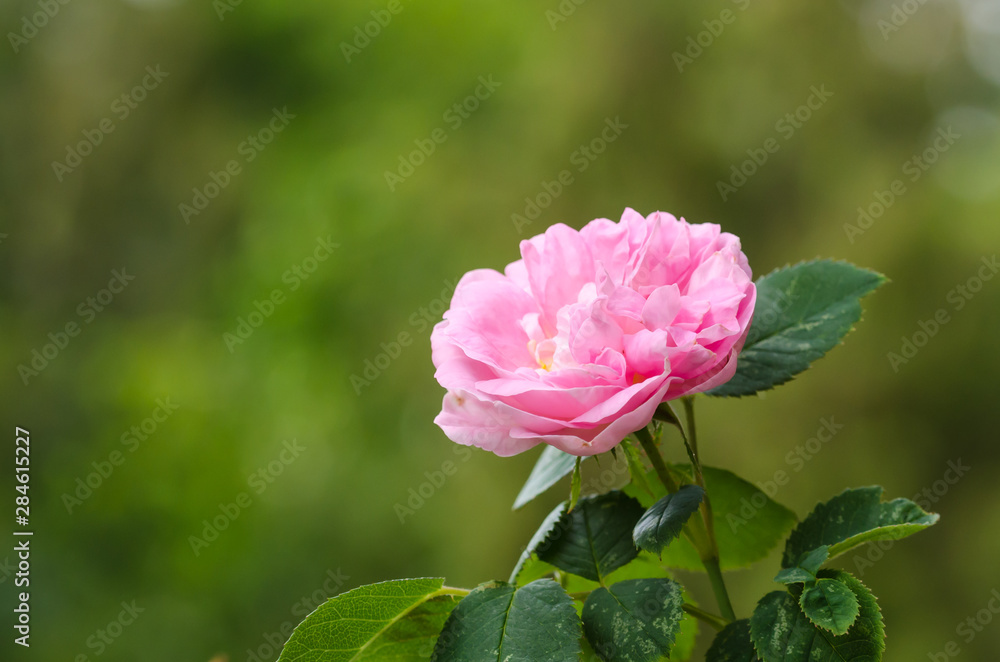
x=332 y=518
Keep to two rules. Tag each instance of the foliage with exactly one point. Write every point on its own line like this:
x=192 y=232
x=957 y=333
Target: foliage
x=597 y=546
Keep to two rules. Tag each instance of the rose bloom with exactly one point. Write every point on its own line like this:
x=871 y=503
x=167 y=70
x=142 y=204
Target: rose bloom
x=576 y=344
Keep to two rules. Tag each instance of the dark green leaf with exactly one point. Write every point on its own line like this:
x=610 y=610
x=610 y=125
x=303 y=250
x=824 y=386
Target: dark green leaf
x=645 y=566
x=733 y=644
x=802 y=312
x=531 y=567
x=634 y=620
x=666 y=518
x=552 y=465
x=830 y=604
x=500 y=622
x=781 y=632
x=748 y=524
x=594 y=538
x=852 y=518
x=398 y=620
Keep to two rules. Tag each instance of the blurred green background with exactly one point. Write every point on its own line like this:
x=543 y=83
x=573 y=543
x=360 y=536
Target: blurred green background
x=328 y=518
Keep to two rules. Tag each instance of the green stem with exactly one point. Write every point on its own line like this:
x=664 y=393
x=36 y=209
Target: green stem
x=702 y=615
x=710 y=561
x=656 y=459
x=690 y=440
x=691 y=444
x=692 y=431
x=700 y=532
x=719 y=588
x=694 y=529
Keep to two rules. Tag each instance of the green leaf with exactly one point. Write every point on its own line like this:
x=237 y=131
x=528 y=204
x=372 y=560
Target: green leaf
x=781 y=632
x=802 y=312
x=634 y=620
x=748 y=524
x=733 y=644
x=531 y=567
x=594 y=538
x=805 y=569
x=645 y=566
x=642 y=567
x=500 y=622
x=552 y=465
x=398 y=620
x=855 y=517
x=830 y=605
x=666 y=518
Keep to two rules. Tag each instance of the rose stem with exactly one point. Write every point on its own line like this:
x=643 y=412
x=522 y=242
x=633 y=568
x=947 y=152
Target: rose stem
x=712 y=563
x=700 y=532
x=653 y=452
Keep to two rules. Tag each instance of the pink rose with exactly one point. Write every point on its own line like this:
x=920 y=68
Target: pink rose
x=577 y=343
